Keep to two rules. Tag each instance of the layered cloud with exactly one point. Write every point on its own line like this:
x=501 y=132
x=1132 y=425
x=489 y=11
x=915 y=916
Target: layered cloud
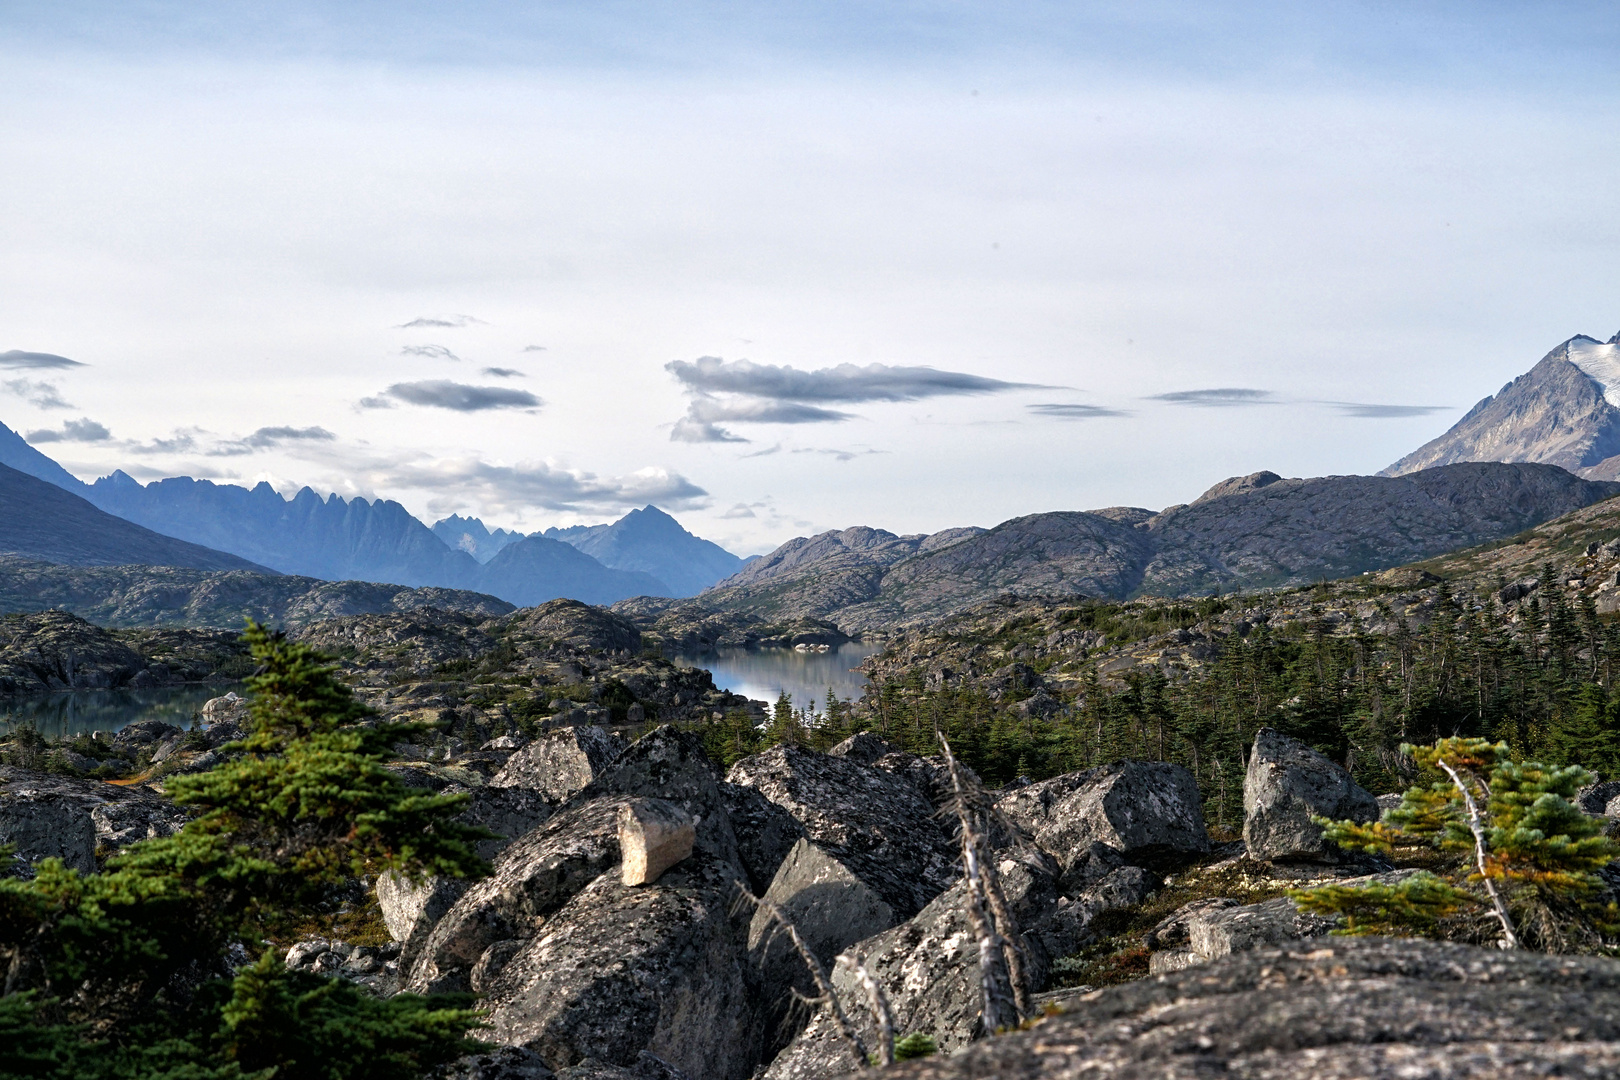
x=1056 y=411
x=515 y=489
x=459 y=397
x=1384 y=412
x=83 y=430
x=34 y=361
x=777 y=394
x=1218 y=398
x=503 y=373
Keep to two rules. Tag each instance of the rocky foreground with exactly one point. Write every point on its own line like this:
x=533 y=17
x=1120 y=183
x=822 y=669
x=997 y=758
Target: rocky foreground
x=616 y=938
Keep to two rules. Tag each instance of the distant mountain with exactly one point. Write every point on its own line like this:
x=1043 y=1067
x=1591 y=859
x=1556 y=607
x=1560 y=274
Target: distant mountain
x=650 y=541
x=537 y=569
x=471 y=535
x=39 y=520
x=16 y=453
x=331 y=538
x=1565 y=411
x=1251 y=532
x=166 y=596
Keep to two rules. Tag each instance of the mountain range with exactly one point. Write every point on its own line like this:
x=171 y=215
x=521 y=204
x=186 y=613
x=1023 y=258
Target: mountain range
x=337 y=539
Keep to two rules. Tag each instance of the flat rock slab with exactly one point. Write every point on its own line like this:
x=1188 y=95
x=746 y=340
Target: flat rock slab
x=1329 y=1009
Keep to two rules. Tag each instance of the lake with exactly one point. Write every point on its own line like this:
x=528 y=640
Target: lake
x=79 y=712
x=763 y=674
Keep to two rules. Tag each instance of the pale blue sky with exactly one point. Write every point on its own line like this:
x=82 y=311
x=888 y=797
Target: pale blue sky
x=231 y=212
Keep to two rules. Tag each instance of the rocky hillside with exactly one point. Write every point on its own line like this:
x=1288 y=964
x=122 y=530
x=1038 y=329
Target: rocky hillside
x=1259 y=531
x=39 y=520
x=166 y=596
x=651 y=542
x=52 y=650
x=1561 y=412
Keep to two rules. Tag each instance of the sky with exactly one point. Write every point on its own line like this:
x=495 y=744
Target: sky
x=781 y=268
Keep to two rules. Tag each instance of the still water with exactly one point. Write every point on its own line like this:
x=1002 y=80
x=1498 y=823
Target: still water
x=79 y=712
x=763 y=674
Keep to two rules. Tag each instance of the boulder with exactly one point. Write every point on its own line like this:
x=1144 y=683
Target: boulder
x=410 y=911
x=830 y=908
x=1149 y=812
x=508 y=812
x=1328 y=1009
x=654 y=835
x=864 y=747
x=765 y=833
x=670 y=764
x=619 y=970
x=878 y=826
x=533 y=878
x=929 y=968
x=560 y=763
x=1286 y=785
x=1595 y=799
x=229 y=708
x=77 y=821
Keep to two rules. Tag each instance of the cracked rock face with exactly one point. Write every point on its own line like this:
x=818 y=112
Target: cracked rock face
x=1148 y=811
x=1328 y=1009
x=560 y=763
x=1288 y=783
x=875 y=823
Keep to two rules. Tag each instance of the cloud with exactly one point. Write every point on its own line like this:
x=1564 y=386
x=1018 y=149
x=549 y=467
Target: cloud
x=443 y=394
x=83 y=429
x=1074 y=412
x=838 y=455
x=431 y=352
x=17 y=358
x=534 y=348
x=503 y=373
x=846 y=382
x=516 y=489
x=440 y=322
x=42 y=395
x=1383 y=412
x=271 y=436
x=777 y=394
x=183 y=441
x=742 y=510
x=1223 y=397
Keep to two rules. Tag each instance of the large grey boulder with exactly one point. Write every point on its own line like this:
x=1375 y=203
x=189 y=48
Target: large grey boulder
x=560 y=763
x=1328 y=1009
x=411 y=910
x=1148 y=812
x=670 y=764
x=1286 y=785
x=879 y=826
x=48 y=816
x=508 y=812
x=765 y=833
x=929 y=968
x=619 y=970
x=830 y=908
x=533 y=878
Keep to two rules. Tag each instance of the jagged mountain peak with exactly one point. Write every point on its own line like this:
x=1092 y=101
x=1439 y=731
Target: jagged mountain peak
x=1564 y=411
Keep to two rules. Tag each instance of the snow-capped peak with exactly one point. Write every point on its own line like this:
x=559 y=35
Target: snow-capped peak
x=1600 y=362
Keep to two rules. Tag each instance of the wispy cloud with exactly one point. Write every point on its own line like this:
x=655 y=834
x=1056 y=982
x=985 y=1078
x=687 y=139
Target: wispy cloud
x=503 y=373
x=83 y=429
x=440 y=322
x=534 y=348
x=836 y=454
x=459 y=397
x=269 y=438
x=430 y=352
x=1383 y=412
x=1220 y=398
x=19 y=359
x=515 y=489
x=777 y=394
x=41 y=395
x=1057 y=411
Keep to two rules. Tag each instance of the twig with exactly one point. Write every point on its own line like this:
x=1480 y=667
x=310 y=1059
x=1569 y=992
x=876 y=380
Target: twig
x=824 y=987
x=1000 y=1007
x=1510 y=940
x=879 y=1002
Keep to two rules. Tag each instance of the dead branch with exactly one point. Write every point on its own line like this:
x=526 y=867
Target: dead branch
x=879 y=1003
x=1510 y=939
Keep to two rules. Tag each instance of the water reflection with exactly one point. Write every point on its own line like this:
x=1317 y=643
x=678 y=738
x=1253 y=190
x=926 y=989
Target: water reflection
x=79 y=712
x=806 y=676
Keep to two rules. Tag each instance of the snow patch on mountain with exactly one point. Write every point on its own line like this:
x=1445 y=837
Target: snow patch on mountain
x=1600 y=362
